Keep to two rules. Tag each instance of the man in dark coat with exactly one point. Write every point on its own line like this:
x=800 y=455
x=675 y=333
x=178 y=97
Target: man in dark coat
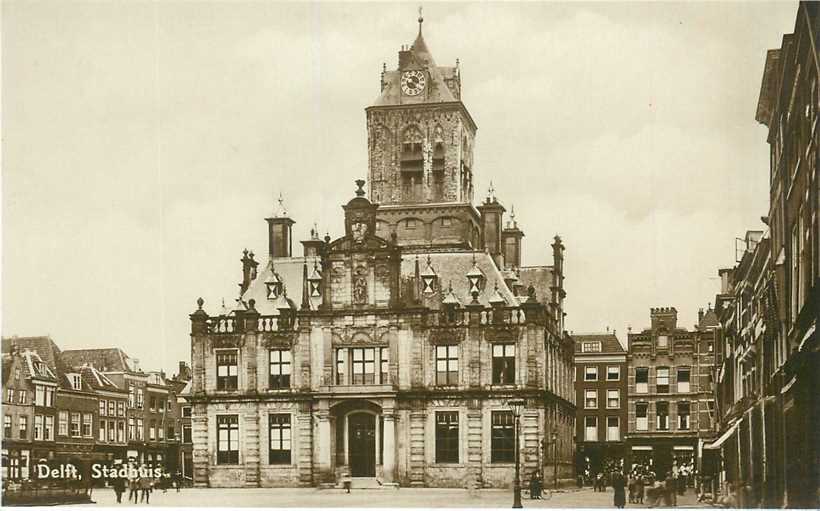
x=619 y=485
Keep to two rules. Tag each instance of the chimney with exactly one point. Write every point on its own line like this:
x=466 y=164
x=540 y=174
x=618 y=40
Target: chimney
x=700 y=315
x=492 y=222
x=511 y=242
x=280 y=241
x=313 y=247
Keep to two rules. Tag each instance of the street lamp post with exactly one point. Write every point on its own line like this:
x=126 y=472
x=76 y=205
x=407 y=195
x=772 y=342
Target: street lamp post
x=517 y=406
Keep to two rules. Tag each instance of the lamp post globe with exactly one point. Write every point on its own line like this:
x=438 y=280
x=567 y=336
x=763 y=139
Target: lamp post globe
x=517 y=407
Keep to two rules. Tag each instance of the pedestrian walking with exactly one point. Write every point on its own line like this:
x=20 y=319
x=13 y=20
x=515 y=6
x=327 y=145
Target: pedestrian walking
x=619 y=484
x=178 y=480
x=145 y=485
x=133 y=485
x=535 y=486
x=118 y=483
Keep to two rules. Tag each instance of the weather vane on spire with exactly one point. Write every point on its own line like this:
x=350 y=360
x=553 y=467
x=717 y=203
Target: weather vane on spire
x=421 y=19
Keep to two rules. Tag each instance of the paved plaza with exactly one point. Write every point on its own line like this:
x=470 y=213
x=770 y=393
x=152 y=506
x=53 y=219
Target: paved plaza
x=405 y=497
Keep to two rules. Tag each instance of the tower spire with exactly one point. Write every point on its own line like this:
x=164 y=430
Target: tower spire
x=421 y=20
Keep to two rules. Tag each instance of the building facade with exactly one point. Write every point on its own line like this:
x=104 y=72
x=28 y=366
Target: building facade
x=769 y=402
x=601 y=393
x=77 y=407
x=412 y=332
x=670 y=391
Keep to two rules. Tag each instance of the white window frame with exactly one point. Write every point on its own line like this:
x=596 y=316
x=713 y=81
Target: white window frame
x=588 y=370
x=587 y=394
x=617 y=397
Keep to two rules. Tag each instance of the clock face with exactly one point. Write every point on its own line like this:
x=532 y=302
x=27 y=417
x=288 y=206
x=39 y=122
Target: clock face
x=412 y=82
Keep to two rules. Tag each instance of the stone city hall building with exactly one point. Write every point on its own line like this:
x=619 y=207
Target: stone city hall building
x=390 y=353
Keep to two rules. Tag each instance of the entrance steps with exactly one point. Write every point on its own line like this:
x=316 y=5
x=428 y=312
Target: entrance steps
x=361 y=483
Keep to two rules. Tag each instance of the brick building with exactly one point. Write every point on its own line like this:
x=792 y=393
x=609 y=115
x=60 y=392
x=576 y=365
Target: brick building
x=411 y=332
x=601 y=397
x=670 y=390
x=768 y=401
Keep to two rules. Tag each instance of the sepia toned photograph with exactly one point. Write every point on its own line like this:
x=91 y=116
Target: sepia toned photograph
x=400 y=255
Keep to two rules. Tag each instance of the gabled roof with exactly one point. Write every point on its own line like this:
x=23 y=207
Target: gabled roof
x=609 y=343
x=44 y=346
x=95 y=379
x=289 y=271
x=103 y=359
x=709 y=319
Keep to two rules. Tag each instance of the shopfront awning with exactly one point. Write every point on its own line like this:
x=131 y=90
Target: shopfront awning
x=725 y=436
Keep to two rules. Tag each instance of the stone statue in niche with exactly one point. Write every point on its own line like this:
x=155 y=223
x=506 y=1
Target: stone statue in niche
x=360 y=286
x=359 y=231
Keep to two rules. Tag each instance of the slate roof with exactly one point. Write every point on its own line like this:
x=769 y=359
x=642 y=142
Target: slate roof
x=541 y=279
x=289 y=270
x=44 y=346
x=437 y=90
x=452 y=267
x=709 y=319
x=609 y=343
x=103 y=359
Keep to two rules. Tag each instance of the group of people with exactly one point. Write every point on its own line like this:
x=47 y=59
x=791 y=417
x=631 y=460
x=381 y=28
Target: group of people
x=140 y=486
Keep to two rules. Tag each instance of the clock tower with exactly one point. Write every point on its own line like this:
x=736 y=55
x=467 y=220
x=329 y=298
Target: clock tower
x=420 y=153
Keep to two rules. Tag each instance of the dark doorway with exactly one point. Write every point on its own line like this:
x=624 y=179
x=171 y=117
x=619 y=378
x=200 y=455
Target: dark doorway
x=362 y=444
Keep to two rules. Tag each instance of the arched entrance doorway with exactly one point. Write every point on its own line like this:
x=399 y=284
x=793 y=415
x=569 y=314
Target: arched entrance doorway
x=362 y=444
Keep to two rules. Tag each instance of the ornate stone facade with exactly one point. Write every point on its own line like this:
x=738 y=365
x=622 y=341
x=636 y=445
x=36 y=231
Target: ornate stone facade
x=400 y=358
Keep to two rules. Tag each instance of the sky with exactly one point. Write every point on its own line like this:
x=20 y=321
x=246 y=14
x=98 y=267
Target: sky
x=144 y=143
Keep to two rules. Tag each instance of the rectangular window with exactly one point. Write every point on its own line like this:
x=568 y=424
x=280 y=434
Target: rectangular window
x=7 y=427
x=613 y=429
x=279 y=377
x=503 y=364
x=132 y=396
x=613 y=373
x=591 y=429
x=62 y=423
x=87 y=425
x=23 y=396
x=112 y=431
x=227 y=439
x=364 y=366
x=38 y=427
x=120 y=408
x=103 y=425
x=641 y=380
x=683 y=379
x=613 y=398
x=187 y=436
x=340 y=366
x=140 y=429
x=48 y=428
x=171 y=434
x=590 y=399
x=662 y=415
x=683 y=416
x=280 y=439
x=160 y=432
x=102 y=408
x=446 y=437
x=23 y=426
x=50 y=397
x=641 y=416
x=384 y=364
x=591 y=373
x=226 y=370
x=132 y=432
x=663 y=341
x=140 y=398
x=152 y=430
x=186 y=411
x=502 y=440
x=39 y=395
x=591 y=347
x=9 y=395
x=662 y=380
x=152 y=403
x=121 y=432
x=447 y=365
x=112 y=409
x=75 y=424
